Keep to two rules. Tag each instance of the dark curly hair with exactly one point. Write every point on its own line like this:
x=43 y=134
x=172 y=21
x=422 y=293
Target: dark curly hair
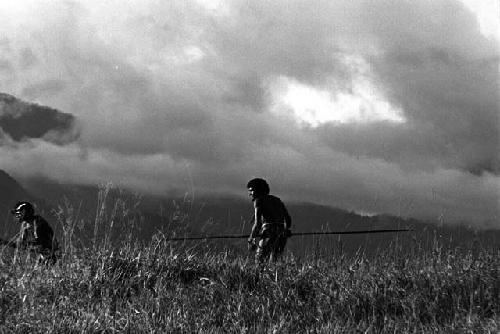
x=26 y=206
x=259 y=185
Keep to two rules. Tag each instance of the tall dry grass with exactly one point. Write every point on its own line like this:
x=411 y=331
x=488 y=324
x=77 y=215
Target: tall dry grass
x=159 y=287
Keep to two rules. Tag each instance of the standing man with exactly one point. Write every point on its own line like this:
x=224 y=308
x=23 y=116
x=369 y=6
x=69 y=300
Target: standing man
x=35 y=234
x=272 y=222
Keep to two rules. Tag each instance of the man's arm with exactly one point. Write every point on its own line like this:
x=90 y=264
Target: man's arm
x=252 y=244
x=257 y=223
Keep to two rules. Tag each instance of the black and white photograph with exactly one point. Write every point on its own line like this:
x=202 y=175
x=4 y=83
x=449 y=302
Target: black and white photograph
x=265 y=166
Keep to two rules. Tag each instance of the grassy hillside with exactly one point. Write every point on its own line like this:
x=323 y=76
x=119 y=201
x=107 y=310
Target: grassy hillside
x=156 y=289
x=107 y=281
x=161 y=287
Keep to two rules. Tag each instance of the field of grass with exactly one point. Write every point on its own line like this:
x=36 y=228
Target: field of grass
x=162 y=287
x=158 y=289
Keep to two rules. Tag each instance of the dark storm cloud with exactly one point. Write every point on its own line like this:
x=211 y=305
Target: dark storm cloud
x=443 y=74
x=125 y=114
x=161 y=88
x=430 y=59
x=21 y=121
x=453 y=108
x=301 y=41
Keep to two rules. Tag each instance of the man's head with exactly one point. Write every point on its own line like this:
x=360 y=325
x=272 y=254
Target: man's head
x=23 y=211
x=257 y=187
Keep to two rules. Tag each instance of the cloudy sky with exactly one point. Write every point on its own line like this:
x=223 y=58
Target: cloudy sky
x=372 y=106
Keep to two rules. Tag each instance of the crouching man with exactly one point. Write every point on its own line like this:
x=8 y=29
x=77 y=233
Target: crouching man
x=35 y=234
x=272 y=222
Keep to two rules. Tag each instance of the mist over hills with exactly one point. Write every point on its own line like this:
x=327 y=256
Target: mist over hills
x=190 y=215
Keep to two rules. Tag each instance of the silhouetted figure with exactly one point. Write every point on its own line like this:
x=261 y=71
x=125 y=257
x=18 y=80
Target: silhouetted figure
x=35 y=234
x=272 y=222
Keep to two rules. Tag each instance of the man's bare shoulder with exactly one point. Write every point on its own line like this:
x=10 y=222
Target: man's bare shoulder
x=267 y=201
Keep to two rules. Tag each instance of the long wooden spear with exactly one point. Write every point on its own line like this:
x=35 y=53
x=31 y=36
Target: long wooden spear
x=242 y=236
